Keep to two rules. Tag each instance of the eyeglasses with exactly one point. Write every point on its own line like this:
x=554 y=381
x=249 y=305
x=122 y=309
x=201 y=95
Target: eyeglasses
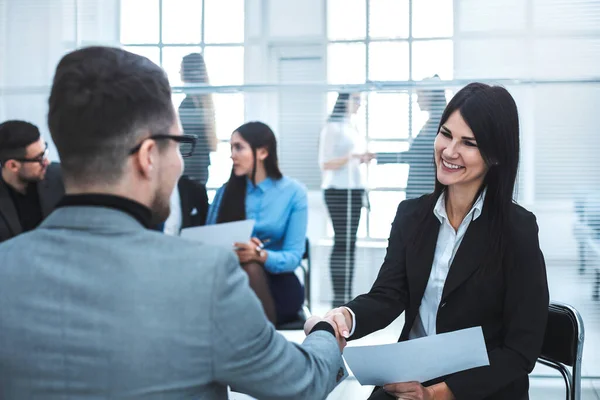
x=187 y=143
x=41 y=158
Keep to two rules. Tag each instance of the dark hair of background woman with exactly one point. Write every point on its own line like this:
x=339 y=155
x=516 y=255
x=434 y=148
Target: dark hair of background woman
x=491 y=113
x=258 y=135
x=340 y=109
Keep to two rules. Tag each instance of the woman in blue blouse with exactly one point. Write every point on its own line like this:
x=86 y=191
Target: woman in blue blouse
x=258 y=190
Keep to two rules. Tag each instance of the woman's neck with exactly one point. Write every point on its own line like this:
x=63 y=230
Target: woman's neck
x=458 y=203
x=261 y=174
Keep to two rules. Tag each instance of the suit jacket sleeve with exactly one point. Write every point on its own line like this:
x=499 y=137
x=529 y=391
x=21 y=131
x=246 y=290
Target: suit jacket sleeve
x=525 y=315
x=388 y=297
x=253 y=358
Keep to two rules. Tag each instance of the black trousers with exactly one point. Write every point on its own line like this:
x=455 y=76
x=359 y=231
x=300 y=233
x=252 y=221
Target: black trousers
x=344 y=207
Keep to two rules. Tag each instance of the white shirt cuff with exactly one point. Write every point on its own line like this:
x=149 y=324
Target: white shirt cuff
x=353 y=321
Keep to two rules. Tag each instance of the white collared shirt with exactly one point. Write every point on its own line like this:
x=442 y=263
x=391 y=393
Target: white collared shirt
x=173 y=223
x=448 y=242
x=447 y=245
x=340 y=139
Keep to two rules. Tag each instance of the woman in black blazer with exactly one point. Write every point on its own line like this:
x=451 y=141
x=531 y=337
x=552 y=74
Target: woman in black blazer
x=464 y=256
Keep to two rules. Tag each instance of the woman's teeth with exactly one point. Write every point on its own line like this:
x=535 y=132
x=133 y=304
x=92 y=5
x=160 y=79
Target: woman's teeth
x=451 y=166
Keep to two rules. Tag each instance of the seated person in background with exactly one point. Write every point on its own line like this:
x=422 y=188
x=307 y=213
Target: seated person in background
x=258 y=190
x=465 y=255
x=30 y=186
x=189 y=206
x=96 y=304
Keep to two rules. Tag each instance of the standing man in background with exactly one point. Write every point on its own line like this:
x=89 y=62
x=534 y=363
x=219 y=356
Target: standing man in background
x=30 y=187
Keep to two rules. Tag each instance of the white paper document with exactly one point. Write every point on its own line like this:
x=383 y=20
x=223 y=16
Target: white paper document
x=222 y=235
x=418 y=359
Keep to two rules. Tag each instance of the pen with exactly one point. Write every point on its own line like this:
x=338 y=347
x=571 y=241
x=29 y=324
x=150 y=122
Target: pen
x=261 y=247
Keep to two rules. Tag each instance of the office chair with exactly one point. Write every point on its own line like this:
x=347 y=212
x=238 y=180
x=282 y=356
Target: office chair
x=563 y=346
x=304 y=313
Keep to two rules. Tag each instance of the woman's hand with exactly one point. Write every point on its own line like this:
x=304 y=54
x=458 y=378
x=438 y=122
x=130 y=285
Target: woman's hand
x=416 y=391
x=250 y=251
x=409 y=391
x=365 y=157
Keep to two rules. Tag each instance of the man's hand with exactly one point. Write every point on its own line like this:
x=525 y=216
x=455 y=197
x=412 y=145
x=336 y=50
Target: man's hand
x=312 y=321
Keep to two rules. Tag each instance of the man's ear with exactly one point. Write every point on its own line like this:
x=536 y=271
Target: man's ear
x=11 y=165
x=146 y=158
x=262 y=153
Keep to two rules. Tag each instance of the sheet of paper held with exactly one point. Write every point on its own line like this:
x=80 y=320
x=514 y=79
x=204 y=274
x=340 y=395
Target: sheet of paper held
x=418 y=359
x=222 y=235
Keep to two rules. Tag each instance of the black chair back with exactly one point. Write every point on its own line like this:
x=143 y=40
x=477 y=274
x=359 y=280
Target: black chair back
x=563 y=346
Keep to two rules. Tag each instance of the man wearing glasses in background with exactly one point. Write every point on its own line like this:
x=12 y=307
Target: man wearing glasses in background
x=30 y=186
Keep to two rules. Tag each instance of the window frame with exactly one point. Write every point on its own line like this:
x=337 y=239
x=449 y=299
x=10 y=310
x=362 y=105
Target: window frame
x=366 y=41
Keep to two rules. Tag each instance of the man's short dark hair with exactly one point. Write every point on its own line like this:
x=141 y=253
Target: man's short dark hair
x=15 y=136
x=102 y=101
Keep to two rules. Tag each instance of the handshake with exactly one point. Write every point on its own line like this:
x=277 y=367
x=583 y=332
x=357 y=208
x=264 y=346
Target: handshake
x=341 y=321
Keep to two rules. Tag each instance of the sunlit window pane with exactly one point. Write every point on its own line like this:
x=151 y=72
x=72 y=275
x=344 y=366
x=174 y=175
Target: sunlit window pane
x=346 y=63
x=388 y=175
x=139 y=21
x=388 y=115
x=433 y=57
x=150 y=52
x=182 y=21
x=177 y=98
x=220 y=166
x=388 y=19
x=384 y=146
x=224 y=22
x=225 y=65
x=388 y=61
x=229 y=109
x=383 y=211
x=346 y=19
x=432 y=18
x=172 y=57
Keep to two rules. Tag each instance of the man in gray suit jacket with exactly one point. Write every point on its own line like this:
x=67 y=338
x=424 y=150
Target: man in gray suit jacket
x=94 y=304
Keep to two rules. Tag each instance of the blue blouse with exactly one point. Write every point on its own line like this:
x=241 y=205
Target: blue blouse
x=280 y=209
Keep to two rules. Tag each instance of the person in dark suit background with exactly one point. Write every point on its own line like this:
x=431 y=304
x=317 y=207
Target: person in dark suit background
x=197 y=115
x=189 y=206
x=465 y=255
x=30 y=186
x=421 y=173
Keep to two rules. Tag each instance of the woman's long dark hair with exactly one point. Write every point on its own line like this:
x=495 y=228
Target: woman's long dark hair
x=491 y=113
x=258 y=135
x=340 y=109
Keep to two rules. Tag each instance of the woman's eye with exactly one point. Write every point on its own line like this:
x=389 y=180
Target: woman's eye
x=446 y=134
x=470 y=144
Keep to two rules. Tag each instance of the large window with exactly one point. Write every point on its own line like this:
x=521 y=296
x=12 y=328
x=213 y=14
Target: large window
x=167 y=30
x=388 y=41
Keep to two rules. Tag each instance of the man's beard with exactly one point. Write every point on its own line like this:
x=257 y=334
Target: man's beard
x=27 y=179
x=161 y=208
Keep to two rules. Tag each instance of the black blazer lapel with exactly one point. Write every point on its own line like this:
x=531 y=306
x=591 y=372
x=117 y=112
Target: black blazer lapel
x=469 y=256
x=8 y=211
x=186 y=206
x=419 y=260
